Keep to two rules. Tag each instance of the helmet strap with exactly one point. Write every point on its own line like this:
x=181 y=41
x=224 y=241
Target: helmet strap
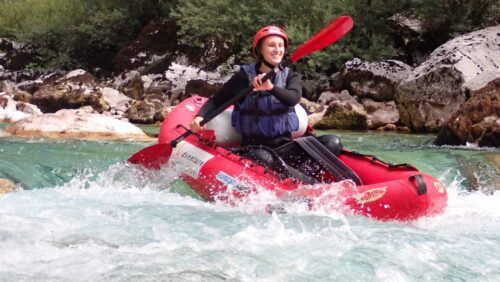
x=266 y=63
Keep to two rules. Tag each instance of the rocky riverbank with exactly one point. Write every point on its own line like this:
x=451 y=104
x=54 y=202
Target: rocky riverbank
x=453 y=92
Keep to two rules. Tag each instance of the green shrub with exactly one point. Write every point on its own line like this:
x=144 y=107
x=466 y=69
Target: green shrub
x=445 y=19
x=69 y=33
x=237 y=21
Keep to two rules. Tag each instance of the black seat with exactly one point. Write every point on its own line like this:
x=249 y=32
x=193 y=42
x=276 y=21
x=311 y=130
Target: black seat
x=268 y=158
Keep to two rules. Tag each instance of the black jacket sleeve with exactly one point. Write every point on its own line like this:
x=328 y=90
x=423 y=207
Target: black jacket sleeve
x=291 y=94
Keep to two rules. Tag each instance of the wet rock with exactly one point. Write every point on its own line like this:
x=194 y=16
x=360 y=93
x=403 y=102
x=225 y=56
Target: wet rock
x=380 y=113
x=12 y=111
x=31 y=86
x=314 y=86
x=146 y=112
x=314 y=118
x=404 y=129
x=74 y=90
x=376 y=81
x=28 y=109
x=82 y=123
x=437 y=88
x=327 y=97
x=180 y=74
x=23 y=96
x=139 y=87
x=152 y=50
x=18 y=95
x=130 y=84
x=388 y=127
x=160 y=90
x=6 y=186
x=476 y=121
x=344 y=115
x=311 y=107
x=480 y=176
x=115 y=99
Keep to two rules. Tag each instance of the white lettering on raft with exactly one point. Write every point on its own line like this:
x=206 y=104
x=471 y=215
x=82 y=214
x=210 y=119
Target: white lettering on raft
x=190 y=157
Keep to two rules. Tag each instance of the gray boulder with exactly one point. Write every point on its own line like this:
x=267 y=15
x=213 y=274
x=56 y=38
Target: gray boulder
x=315 y=85
x=83 y=123
x=327 y=97
x=146 y=112
x=380 y=113
x=476 y=121
x=435 y=90
x=180 y=74
x=376 y=81
x=7 y=186
x=74 y=90
x=344 y=115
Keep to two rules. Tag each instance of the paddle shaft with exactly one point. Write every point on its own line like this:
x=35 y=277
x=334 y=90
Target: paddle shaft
x=230 y=102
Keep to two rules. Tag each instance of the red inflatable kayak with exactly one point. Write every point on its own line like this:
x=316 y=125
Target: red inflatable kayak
x=382 y=191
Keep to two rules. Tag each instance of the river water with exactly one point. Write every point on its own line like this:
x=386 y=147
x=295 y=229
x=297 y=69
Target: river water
x=85 y=214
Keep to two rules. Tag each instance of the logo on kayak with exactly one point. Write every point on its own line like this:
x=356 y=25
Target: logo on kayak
x=231 y=182
x=371 y=195
x=190 y=158
x=439 y=187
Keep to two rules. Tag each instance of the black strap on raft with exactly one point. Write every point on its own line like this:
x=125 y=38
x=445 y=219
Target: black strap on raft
x=421 y=186
x=277 y=164
x=390 y=165
x=325 y=157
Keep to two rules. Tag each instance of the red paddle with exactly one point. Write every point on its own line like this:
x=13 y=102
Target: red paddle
x=156 y=155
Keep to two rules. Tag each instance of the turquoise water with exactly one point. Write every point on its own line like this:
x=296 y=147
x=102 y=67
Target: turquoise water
x=85 y=214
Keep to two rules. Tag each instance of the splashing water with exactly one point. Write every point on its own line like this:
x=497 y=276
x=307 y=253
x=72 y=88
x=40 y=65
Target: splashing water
x=108 y=220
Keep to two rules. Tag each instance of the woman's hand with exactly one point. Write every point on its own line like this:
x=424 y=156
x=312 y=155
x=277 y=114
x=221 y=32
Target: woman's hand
x=195 y=124
x=259 y=86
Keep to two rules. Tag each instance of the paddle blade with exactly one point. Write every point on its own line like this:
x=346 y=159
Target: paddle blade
x=327 y=36
x=152 y=157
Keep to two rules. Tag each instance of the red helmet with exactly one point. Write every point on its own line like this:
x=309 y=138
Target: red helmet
x=266 y=31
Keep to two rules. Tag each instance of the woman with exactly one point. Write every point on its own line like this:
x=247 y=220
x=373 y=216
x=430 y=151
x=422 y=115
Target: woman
x=266 y=115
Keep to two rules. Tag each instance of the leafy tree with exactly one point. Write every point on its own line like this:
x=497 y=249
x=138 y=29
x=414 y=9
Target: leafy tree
x=72 y=33
x=445 y=19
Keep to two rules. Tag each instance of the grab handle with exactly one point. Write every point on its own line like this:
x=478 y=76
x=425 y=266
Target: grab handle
x=421 y=186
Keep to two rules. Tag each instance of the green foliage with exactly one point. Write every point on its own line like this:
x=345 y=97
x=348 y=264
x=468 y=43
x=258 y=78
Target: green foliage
x=68 y=33
x=71 y=33
x=445 y=19
x=237 y=21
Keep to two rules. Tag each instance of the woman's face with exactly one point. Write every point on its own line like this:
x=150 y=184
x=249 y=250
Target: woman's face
x=273 y=49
